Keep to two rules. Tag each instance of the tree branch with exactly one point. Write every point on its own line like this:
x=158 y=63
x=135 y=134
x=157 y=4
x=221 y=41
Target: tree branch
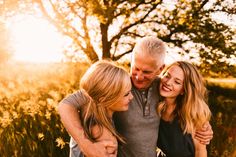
x=121 y=55
x=195 y=13
x=131 y=9
x=133 y=24
x=134 y=34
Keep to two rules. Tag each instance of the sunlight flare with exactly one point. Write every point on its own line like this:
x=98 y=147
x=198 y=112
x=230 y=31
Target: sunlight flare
x=34 y=39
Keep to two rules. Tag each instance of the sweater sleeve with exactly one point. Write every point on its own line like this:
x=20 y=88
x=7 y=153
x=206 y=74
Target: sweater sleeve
x=76 y=99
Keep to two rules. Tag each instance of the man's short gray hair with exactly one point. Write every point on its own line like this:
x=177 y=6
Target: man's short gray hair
x=150 y=45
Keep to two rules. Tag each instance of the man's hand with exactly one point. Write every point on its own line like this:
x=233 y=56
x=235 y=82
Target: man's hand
x=205 y=134
x=99 y=149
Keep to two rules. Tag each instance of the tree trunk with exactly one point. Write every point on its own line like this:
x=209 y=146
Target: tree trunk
x=106 y=45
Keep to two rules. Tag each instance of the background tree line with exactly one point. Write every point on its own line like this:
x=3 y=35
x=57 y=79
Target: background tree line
x=109 y=28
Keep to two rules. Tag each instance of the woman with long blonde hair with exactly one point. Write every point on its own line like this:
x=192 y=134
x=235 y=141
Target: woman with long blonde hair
x=104 y=89
x=183 y=111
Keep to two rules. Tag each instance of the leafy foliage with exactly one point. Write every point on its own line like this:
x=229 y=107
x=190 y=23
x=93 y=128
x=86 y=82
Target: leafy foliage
x=108 y=29
x=111 y=27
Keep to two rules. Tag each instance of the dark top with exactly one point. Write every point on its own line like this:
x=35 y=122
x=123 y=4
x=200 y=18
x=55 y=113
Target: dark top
x=173 y=142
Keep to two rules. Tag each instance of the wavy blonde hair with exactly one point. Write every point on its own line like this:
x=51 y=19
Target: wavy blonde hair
x=191 y=108
x=104 y=84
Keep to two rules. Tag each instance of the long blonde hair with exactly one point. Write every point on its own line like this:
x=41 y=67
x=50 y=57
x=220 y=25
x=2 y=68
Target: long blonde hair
x=191 y=107
x=103 y=84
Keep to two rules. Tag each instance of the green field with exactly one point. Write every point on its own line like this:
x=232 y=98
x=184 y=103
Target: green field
x=31 y=127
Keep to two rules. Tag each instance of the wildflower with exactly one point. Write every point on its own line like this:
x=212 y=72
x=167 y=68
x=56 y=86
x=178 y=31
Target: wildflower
x=41 y=136
x=6 y=120
x=48 y=115
x=60 y=143
x=50 y=101
x=160 y=153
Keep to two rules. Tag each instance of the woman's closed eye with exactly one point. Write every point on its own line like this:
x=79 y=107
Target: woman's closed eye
x=127 y=93
x=178 y=82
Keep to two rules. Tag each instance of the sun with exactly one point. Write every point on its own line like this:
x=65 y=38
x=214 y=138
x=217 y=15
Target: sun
x=34 y=39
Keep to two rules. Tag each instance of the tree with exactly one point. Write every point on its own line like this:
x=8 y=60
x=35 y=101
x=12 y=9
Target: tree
x=192 y=22
x=109 y=28
x=188 y=21
x=99 y=17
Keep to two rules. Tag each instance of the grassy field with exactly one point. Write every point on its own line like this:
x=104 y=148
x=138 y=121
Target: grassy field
x=222 y=101
x=31 y=127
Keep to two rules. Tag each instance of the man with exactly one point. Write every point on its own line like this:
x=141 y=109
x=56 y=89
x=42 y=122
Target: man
x=139 y=125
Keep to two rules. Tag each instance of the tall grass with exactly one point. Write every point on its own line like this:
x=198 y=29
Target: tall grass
x=31 y=127
x=222 y=101
x=29 y=123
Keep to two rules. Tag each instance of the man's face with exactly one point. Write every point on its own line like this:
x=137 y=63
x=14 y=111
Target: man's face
x=144 y=69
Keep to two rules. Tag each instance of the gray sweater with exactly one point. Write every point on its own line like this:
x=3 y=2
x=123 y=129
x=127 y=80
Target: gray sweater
x=139 y=125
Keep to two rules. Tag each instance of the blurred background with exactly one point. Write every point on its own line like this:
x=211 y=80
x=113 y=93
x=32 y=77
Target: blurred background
x=47 y=45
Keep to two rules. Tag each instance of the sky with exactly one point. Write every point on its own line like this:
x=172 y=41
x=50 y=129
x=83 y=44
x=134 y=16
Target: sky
x=34 y=39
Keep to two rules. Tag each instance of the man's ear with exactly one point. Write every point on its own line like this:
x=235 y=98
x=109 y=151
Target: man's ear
x=162 y=67
x=158 y=72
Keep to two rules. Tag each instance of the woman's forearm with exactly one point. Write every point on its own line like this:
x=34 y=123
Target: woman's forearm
x=201 y=153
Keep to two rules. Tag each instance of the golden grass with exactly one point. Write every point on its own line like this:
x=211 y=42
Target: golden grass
x=229 y=83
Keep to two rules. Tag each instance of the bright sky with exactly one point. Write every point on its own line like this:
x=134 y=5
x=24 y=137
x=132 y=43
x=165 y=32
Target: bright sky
x=35 y=40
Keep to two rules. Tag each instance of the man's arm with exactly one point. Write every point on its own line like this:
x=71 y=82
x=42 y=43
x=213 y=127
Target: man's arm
x=200 y=149
x=71 y=121
x=205 y=134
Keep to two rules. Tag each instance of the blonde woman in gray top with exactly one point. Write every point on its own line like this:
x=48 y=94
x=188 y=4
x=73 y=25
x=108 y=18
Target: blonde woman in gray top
x=104 y=89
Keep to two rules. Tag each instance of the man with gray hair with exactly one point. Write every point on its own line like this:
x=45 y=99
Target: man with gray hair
x=139 y=125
